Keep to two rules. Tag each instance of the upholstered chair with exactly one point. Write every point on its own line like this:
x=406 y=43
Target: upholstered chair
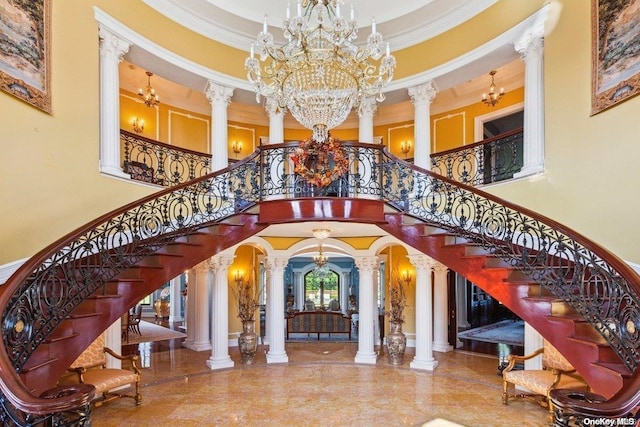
x=556 y=372
x=110 y=383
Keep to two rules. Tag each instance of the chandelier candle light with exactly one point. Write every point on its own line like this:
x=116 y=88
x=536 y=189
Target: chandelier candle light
x=319 y=75
x=493 y=97
x=149 y=97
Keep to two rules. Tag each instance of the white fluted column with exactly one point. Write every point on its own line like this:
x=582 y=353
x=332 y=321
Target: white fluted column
x=219 y=97
x=112 y=50
x=531 y=50
x=367 y=315
x=422 y=96
x=440 y=309
x=176 y=300
x=461 y=302
x=220 y=358
x=190 y=310
x=366 y=110
x=423 y=358
x=276 y=121
x=298 y=280
x=275 y=315
x=201 y=295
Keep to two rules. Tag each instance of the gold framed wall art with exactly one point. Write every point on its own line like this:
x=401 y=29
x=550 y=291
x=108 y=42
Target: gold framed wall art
x=25 y=70
x=615 y=52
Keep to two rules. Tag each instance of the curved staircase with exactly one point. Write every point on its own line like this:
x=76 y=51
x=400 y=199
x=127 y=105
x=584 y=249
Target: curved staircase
x=575 y=293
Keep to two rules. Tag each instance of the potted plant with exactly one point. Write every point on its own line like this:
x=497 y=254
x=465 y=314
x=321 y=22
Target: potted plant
x=396 y=340
x=248 y=299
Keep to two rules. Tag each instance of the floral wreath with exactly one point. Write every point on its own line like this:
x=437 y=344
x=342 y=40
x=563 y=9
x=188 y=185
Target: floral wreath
x=318 y=172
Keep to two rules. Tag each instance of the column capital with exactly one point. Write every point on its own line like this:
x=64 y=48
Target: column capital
x=111 y=45
x=421 y=262
x=273 y=108
x=203 y=267
x=218 y=94
x=530 y=44
x=367 y=263
x=220 y=262
x=273 y=264
x=367 y=107
x=423 y=94
x=439 y=267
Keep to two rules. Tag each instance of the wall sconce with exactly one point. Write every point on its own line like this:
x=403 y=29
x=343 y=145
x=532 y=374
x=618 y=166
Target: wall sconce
x=406 y=277
x=138 y=125
x=238 y=276
x=236 y=146
x=405 y=147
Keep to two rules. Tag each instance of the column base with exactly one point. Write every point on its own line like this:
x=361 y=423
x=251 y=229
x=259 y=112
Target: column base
x=442 y=348
x=425 y=365
x=174 y=319
x=198 y=346
x=114 y=171
x=277 y=358
x=224 y=363
x=367 y=358
x=529 y=170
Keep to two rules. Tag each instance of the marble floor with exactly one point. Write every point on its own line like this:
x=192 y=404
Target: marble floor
x=320 y=386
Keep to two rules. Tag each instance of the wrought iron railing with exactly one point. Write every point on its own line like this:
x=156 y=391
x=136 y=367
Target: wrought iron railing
x=161 y=164
x=48 y=287
x=491 y=160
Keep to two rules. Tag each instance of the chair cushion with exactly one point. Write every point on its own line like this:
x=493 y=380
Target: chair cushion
x=540 y=381
x=103 y=379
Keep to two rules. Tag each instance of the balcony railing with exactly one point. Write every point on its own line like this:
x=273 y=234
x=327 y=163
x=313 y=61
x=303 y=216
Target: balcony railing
x=161 y=164
x=492 y=160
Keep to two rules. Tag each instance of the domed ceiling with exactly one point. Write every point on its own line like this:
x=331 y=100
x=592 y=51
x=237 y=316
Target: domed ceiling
x=236 y=23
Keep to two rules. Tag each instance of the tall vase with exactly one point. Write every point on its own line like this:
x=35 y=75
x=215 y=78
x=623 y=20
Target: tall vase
x=396 y=343
x=248 y=342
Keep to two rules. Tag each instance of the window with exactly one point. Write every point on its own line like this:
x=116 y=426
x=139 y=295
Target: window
x=321 y=288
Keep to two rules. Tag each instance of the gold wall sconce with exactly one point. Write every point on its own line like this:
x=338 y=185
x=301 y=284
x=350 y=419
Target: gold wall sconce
x=406 y=277
x=238 y=276
x=405 y=147
x=138 y=125
x=236 y=146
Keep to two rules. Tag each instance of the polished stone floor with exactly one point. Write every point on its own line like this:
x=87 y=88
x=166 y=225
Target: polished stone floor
x=320 y=386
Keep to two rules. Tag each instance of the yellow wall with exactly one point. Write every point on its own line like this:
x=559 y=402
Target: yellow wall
x=246 y=264
x=455 y=128
x=591 y=167
x=398 y=263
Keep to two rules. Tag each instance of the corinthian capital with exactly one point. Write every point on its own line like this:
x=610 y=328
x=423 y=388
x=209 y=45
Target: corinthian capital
x=218 y=94
x=423 y=93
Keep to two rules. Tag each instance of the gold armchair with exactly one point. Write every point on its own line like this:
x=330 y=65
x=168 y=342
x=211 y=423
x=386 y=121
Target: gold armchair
x=90 y=368
x=556 y=372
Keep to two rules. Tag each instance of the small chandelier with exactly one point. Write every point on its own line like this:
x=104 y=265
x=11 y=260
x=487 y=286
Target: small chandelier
x=149 y=97
x=492 y=98
x=320 y=260
x=319 y=74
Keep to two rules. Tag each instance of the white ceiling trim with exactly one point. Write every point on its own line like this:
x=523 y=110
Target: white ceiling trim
x=243 y=34
x=413 y=35
x=156 y=50
x=526 y=29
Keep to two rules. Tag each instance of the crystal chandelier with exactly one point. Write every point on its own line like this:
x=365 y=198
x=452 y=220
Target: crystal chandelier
x=149 y=97
x=319 y=75
x=492 y=98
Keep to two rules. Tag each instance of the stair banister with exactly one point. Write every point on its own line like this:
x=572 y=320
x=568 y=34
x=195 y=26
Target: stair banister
x=119 y=239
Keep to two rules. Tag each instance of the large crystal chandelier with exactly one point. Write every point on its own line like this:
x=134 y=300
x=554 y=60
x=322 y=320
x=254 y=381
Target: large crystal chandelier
x=319 y=75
